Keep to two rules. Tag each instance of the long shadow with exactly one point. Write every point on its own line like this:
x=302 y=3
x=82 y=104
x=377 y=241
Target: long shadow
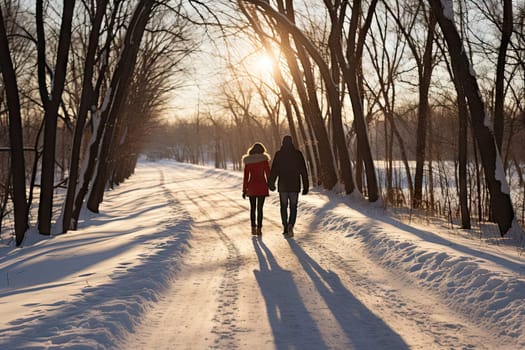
x=76 y=321
x=375 y=219
x=292 y=324
x=363 y=328
x=28 y=290
x=434 y=238
x=58 y=264
x=75 y=324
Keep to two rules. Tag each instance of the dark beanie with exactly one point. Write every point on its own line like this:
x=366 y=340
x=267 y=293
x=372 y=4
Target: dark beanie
x=287 y=141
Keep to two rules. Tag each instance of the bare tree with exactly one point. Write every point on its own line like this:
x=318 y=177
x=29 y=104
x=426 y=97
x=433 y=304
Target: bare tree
x=51 y=102
x=492 y=163
x=15 y=135
x=86 y=102
x=351 y=66
x=424 y=58
x=115 y=98
x=167 y=43
x=506 y=32
x=302 y=71
x=304 y=85
x=115 y=23
x=284 y=18
x=386 y=54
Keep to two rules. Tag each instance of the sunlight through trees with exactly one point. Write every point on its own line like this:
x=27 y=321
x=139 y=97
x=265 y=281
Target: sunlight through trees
x=417 y=104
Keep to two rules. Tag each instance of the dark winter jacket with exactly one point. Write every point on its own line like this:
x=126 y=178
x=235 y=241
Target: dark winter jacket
x=256 y=172
x=289 y=166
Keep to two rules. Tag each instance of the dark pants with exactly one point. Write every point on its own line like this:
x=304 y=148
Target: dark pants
x=256 y=202
x=288 y=199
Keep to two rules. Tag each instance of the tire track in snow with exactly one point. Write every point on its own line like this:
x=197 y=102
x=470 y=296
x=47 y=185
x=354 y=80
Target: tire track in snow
x=225 y=327
x=197 y=310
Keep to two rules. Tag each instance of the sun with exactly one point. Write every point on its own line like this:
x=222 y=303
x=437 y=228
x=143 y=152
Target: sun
x=264 y=64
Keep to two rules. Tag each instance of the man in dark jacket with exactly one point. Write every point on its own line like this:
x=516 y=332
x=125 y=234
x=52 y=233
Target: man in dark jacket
x=289 y=166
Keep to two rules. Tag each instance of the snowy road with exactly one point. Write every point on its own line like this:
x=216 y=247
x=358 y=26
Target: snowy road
x=317 y=291
x=170 y=263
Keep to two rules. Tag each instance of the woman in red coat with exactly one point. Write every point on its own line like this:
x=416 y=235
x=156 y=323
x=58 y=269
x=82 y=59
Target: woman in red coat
x=255 y=183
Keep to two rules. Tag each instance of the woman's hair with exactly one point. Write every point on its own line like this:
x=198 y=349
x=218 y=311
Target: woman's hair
x=257 y=148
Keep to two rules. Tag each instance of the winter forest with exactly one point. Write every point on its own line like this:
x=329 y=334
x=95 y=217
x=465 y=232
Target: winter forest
x=418 y=104
x=123 y=126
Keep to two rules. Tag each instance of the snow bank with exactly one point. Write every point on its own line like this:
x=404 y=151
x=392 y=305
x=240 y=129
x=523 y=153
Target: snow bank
x=87 y=289
x=471 y=278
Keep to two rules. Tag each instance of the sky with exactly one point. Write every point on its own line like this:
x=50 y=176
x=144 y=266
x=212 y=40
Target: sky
x=170 y=263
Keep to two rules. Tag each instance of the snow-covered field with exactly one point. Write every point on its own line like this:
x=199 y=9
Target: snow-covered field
x=170 y=264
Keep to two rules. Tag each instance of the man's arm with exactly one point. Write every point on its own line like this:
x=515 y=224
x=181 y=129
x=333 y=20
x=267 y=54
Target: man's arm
x=274 y=172
x=304 y=173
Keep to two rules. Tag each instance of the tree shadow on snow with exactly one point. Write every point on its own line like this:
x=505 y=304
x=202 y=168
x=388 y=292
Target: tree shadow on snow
x=123 y=300
x=371 y=220
x=363 y=328
x=433 y=237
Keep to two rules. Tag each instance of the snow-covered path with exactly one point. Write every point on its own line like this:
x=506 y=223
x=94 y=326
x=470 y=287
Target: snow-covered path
x=313 y=292
x=170 y=263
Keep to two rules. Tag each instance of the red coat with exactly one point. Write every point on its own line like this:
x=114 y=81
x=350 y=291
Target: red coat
x=256 y=173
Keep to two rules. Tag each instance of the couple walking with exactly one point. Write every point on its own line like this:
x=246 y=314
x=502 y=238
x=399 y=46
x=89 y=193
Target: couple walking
x=289 y=168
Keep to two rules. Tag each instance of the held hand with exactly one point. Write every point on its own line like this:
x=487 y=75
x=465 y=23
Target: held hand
x=244 y=195
x=271 y=187
x=305 y=191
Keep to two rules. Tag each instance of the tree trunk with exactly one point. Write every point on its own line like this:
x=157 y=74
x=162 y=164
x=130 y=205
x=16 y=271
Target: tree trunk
x=334 y=43
x=327 y=173
x=118 y=85
x=463 y=116
x=463 y=157
x=388 y=135
x=492 y=164
x=431 y=200
x=350 y=73
x=86 y=101
x=93 y=148
x=51 y=106
x=506 y=32
x=425 y=74
x=327 y=159
x=15 y=136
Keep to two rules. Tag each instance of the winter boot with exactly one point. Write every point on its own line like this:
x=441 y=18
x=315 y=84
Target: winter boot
x=259 y=231
x=290 y=231
x=285 y=230
x=254 y=230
